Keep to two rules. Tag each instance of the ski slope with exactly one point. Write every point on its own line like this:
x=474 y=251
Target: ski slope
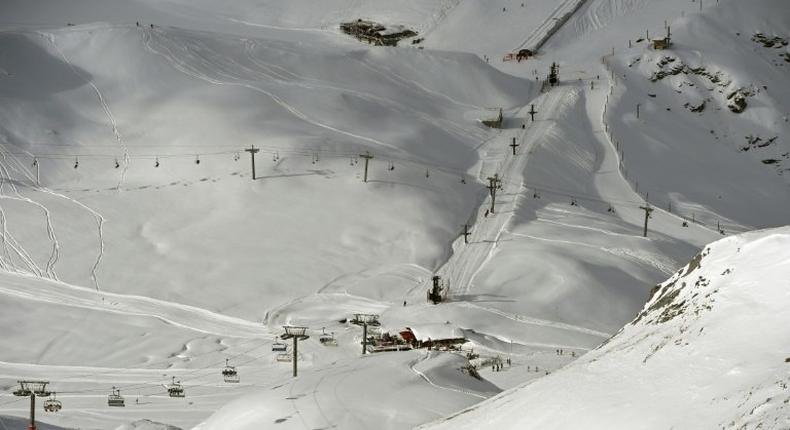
x=136 y=247
x=712 y=316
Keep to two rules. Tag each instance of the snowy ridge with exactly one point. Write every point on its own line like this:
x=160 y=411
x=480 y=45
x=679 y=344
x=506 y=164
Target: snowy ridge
x=707 y=340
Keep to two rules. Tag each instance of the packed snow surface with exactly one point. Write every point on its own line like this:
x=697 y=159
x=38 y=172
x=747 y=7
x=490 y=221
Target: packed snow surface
x=136 y=248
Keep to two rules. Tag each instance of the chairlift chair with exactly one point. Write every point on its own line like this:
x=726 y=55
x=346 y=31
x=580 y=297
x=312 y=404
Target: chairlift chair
x=229 y=373
x=279 y=346
x=284 y=357
x=175 y=389
x=52 y=404
x=327 y=339
x=115 y=399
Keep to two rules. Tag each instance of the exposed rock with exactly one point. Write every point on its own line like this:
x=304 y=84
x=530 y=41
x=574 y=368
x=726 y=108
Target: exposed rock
x=769 y=42
x=736 y=101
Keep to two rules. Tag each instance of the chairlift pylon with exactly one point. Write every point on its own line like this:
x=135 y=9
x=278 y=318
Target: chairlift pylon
x=116 y=399
x=229 y=373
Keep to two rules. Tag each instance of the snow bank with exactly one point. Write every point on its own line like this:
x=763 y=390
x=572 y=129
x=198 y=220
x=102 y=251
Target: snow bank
x=709 y=348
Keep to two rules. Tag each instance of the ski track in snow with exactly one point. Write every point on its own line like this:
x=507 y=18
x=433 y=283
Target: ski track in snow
x=184 y=67
x=287 y=77
x=118 y=138
x=468 y=260
x=8 y=239
x=620 y=252
x=537 y=322
x=5 y=176
x=551 y=25
x=441 y=387
x=599 y=230
x=183 y=316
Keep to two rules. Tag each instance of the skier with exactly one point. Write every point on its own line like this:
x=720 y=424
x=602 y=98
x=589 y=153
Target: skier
x=404 y=303
x=486 y=214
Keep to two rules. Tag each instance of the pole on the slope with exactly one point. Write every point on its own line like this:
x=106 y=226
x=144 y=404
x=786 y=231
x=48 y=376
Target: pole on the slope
x=296 y=333
x=532 y=112
x=466 y=233
x=514 y=145
x=647 y=210
x=637 y=110
x=367 y=158
x=32 y=389
x=296 y=348
x=365 y=319
x=493 y=184
x=364 y=337
x=252 y=150
x=32 y=412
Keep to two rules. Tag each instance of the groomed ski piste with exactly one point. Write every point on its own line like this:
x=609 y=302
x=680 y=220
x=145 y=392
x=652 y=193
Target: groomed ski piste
x=136 y=247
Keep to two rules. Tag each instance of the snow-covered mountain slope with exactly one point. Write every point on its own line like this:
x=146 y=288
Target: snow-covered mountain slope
x=128 y=262
x=707 y=351
x=734 y=164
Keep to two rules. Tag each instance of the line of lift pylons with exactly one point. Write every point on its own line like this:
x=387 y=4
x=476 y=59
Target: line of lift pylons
x=175 y=389
x=116 y=400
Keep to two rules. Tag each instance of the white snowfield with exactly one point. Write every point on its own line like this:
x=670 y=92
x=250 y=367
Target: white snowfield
x=707 y=351
x=135 y=246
